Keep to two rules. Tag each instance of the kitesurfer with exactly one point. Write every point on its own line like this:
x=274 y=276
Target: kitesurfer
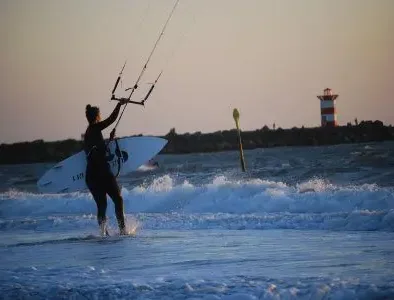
x=99 y=178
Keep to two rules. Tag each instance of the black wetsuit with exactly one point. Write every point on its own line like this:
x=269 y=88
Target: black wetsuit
x=99 y=177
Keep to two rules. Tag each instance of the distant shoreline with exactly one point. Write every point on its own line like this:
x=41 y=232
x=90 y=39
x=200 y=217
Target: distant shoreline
x=40 y=151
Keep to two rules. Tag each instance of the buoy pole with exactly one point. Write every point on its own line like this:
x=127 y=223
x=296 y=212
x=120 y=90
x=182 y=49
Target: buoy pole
x=241 y=152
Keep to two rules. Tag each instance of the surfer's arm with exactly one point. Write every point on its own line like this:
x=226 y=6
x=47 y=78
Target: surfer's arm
x=112 y=118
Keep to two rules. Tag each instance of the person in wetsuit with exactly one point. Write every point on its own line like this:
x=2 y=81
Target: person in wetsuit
x=99 y=177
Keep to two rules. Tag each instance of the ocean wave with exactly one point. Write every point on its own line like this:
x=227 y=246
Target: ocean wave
x=222 y=195
x=352 y=221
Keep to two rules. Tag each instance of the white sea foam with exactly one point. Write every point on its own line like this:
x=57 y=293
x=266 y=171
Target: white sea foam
x=251 y=203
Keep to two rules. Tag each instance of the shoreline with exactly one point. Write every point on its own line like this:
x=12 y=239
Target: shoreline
x=40 y=151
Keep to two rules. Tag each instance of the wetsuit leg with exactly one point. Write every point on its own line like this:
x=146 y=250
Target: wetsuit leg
x=97 y=189
x=101 y=201
x=113 y=191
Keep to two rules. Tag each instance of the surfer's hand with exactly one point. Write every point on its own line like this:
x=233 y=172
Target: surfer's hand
x=112 y=134
x=123 y=101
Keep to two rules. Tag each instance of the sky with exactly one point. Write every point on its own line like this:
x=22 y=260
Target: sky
x=268 y=58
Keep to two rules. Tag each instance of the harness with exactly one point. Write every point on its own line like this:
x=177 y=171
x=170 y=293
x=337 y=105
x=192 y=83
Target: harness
x=90 y=152
x=118 y=154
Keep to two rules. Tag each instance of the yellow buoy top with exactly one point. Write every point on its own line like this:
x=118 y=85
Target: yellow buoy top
x=236 y=114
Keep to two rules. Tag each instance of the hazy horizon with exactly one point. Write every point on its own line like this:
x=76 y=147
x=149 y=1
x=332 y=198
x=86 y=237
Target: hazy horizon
x=270 y=59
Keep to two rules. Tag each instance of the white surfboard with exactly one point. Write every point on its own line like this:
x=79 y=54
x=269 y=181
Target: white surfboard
x=69 y=175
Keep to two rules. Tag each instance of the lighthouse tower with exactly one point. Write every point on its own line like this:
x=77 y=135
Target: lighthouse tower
x=327 y=109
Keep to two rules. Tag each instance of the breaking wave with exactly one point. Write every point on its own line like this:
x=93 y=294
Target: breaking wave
x=223 y=203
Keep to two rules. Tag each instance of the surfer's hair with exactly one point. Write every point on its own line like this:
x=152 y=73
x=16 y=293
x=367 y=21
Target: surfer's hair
x=91 y=113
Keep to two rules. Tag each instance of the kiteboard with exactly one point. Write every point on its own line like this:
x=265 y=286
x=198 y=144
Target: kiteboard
x=68 y=175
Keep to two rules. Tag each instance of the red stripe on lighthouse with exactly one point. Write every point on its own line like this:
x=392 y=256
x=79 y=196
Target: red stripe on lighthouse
x=328 y=111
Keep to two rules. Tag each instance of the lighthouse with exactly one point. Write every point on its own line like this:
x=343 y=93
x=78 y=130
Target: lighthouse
x=327 y=109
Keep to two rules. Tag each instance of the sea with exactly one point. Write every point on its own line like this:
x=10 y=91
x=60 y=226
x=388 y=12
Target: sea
x=300 y=223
